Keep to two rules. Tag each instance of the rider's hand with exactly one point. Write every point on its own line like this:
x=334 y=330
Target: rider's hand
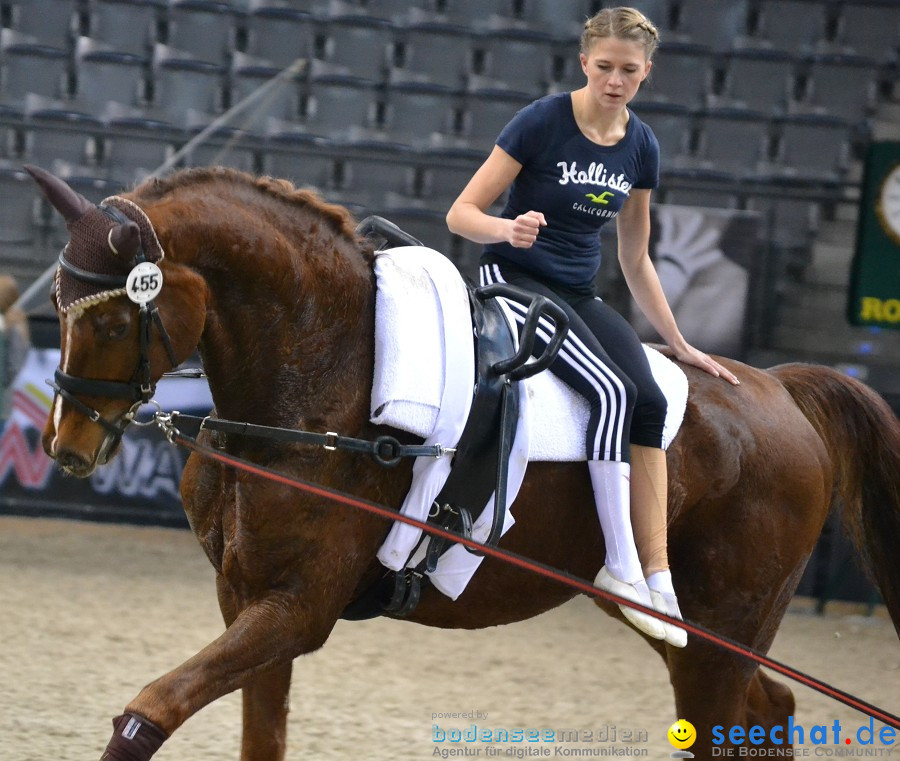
x=691 y=356
x=523 y=230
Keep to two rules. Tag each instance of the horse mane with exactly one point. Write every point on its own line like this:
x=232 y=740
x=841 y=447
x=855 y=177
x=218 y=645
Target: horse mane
x=339 y=219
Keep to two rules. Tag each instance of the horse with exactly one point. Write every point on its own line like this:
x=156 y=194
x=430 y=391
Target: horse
x=276 y=290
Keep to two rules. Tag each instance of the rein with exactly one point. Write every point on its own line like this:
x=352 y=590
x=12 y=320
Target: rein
x=140 y=389
x=387 y=451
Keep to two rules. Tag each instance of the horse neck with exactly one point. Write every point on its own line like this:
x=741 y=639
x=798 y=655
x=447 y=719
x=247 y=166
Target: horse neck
x=288 y=336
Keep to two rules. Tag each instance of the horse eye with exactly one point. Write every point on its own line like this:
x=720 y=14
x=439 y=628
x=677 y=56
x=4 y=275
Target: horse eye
x=117 y=332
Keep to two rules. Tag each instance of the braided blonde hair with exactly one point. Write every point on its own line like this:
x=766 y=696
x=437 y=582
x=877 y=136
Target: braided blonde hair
x=622 y=23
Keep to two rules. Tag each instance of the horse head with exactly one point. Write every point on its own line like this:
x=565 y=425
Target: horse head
x=126 y=317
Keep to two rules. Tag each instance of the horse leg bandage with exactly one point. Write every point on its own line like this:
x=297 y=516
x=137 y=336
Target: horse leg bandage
x=649 y=494
x=134 y=739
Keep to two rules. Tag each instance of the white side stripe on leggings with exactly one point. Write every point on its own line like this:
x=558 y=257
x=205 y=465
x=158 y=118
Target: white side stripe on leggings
x=608 y=438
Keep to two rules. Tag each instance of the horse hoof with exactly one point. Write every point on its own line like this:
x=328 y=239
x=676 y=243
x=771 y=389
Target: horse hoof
x=675 y=635
x=641 y=621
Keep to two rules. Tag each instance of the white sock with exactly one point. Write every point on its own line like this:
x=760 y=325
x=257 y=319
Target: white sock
x=661 y=582
x=612 y=495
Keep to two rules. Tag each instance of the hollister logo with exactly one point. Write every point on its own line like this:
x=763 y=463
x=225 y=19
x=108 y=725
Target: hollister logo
x=595 y=175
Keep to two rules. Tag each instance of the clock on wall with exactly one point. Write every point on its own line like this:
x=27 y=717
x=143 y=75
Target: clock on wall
x=888 y=204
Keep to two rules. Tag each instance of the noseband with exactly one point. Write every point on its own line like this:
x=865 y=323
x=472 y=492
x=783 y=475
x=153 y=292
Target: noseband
x=140 y=389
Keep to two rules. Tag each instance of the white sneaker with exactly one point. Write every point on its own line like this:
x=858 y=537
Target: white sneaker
x=675 y=635
x=637 y=592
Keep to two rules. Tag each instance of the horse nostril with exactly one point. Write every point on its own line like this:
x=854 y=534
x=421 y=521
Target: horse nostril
x=71 y=461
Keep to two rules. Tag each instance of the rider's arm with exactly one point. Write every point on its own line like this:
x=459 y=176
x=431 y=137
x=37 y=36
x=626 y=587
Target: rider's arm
x=633 y=228
x=468 y=215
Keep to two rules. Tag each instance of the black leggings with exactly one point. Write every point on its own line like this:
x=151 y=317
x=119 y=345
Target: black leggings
x=626 y=405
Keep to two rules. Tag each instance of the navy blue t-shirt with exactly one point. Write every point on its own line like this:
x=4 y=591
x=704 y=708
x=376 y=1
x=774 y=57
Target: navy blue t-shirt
x=577 y=184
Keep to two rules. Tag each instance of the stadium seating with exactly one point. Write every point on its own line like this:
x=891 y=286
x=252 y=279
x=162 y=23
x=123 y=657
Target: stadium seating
x=413 y=94
x=129 y=26
x=792 y=25
x=682 y=74
x=204 y=27
x=435 y=53
x=870 y=28
x=280 y=35
x=760 y=80
x=718 y=25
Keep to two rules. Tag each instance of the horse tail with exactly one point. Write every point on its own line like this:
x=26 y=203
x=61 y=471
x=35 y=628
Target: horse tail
x=862 y=436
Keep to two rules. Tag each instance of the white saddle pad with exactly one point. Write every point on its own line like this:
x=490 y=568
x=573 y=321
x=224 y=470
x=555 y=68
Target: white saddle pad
x=423 y=381
x=414 y=345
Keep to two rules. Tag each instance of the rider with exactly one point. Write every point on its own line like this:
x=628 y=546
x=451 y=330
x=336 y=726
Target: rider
x=572 y=162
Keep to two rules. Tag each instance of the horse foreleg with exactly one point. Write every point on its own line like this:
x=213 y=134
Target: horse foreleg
x=256 y=651
x=266 y=705
x=741 y=695
x=769 y=704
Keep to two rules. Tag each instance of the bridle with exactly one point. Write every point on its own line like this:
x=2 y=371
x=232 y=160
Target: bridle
x=140 y=388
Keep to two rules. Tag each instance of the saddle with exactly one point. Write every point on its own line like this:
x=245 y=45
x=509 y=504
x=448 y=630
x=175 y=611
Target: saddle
x=480 y=463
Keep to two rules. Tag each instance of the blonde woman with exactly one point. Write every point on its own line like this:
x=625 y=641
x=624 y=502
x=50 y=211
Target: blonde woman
x=572 y=162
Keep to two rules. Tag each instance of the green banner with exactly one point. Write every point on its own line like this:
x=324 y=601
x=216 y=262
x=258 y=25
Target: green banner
x=874 y=297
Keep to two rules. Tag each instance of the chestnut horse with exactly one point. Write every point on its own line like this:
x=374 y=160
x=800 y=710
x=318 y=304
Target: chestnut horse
x=278 y=292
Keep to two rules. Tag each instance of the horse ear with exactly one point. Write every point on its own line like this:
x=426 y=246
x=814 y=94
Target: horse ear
x=125 y=239
x=70 y=204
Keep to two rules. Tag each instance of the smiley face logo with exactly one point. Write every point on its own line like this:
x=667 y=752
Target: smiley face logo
x=682 y=734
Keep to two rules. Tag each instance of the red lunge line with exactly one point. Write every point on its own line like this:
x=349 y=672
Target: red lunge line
x=551 y=573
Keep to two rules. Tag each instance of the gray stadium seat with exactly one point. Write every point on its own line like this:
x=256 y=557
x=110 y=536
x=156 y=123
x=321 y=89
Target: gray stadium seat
x=475 y=14
x=792 y=25
x=339 y=108
x=517 y=60
x=17 y=213
x=761 y=80
x=790 y=225
x=315 y=7
x=707 y=198
x=870 y=28
x=813 y=148
x=62 y=135
x=394 y=11
x=486 y=114
x=840 y=85
x=136 y=147
x=128 y=26
x=292 y=157
x=280 y=35
x=204 y=27
x=419 y=115
x=359 y=47
x=28 y=67
x=717 y=24
x=561 y=20
x=186 y=91
x=682 y=74
x=103 y=75
x=442 y=182
x=50 y=22
x=436 y=53
x=224 y=148
x=281 y=101
x=673 y=126
x=735 y=143
x=370 y=178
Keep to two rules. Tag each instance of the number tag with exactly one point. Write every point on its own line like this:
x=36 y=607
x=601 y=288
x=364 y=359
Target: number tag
x=144 y=283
